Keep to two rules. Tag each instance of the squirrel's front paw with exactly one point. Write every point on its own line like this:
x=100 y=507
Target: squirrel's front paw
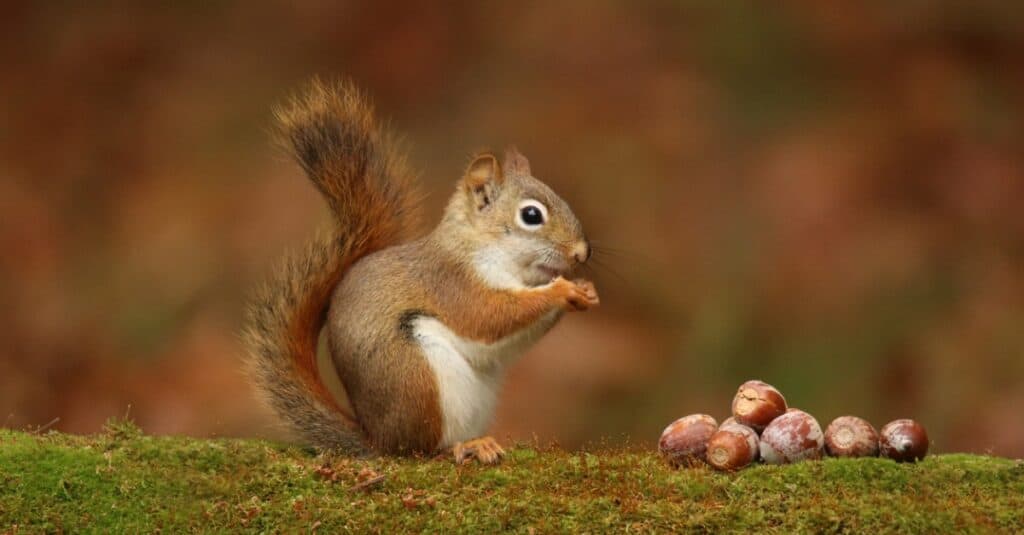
x=579 y=294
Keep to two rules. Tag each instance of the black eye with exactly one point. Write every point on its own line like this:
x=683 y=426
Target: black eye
x=531 y=215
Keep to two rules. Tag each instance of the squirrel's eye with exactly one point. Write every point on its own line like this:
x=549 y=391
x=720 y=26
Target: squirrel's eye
x=531 y=215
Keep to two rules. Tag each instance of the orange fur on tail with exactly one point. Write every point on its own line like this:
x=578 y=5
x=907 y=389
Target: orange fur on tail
x=331 y=132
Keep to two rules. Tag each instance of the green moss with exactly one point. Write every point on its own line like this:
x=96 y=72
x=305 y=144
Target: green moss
x=124 y=481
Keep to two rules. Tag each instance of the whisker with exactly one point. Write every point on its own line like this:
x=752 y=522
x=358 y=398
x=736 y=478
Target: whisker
x=604 y=261
x=606 y=252
x=613 y=251
x=597 y=264
x=636 y=260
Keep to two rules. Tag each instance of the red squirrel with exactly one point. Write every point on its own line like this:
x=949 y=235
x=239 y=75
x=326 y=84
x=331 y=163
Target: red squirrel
x=421 y=330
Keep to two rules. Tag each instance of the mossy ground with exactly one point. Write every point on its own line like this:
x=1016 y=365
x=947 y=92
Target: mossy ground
x=125 y=482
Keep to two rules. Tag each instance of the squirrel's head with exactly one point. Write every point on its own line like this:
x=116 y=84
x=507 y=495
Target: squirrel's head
x=520 y=232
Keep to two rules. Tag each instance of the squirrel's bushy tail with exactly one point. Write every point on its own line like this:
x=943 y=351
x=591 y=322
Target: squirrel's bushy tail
x=331 y=131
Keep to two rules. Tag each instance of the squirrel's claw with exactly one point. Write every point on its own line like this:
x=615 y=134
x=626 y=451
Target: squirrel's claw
x=484 y=449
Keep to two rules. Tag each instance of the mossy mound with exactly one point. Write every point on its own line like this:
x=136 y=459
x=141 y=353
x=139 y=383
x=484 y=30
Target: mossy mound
x=125 y=482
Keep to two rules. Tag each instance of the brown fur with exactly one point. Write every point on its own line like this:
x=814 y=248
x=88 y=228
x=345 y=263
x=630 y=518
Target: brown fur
x=462 y=297
x=386 y=377
x=392 y=388
x=381 y=282
x=331 y=132
x=389 y=382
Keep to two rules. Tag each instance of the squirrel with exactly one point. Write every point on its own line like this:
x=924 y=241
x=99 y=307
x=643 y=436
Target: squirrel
x=419 y=330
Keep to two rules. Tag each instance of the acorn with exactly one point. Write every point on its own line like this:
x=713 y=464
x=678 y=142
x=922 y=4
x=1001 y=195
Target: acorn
x=850 y=436
x=757 y=403
x=684 y=442
x=794 y=436
x=903 y=441
x=732 y=447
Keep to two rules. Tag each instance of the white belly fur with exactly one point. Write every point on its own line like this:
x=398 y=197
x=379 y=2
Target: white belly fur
x=469 y=373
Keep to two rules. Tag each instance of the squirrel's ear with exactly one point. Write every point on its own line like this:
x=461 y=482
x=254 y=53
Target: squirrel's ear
x=483 y=180
x=515 y=163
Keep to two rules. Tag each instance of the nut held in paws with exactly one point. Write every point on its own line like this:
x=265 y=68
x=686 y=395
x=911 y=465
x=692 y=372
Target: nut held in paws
x=757 y=403
x=684 y=442
x=850 y=436
x=903 y=441
x=732 y=447
x=794 y=436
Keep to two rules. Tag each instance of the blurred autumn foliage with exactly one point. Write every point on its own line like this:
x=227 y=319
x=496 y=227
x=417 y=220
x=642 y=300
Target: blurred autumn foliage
x=823 y=195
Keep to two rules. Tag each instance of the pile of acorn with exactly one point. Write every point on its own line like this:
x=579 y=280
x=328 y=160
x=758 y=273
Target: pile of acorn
x=763 y=427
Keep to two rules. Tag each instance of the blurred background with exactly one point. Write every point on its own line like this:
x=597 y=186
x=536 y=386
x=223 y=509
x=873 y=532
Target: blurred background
x=823 y=195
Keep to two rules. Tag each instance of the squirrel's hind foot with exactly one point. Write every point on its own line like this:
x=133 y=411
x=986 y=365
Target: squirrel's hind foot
x=484 y=449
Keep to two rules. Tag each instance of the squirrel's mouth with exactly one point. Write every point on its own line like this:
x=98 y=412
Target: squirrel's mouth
x=549 y=271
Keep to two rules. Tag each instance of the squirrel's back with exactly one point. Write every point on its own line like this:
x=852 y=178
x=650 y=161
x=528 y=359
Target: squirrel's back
x=331 y=132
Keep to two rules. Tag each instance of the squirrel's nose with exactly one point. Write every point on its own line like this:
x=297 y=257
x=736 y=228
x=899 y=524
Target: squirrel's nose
x=581 y=252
